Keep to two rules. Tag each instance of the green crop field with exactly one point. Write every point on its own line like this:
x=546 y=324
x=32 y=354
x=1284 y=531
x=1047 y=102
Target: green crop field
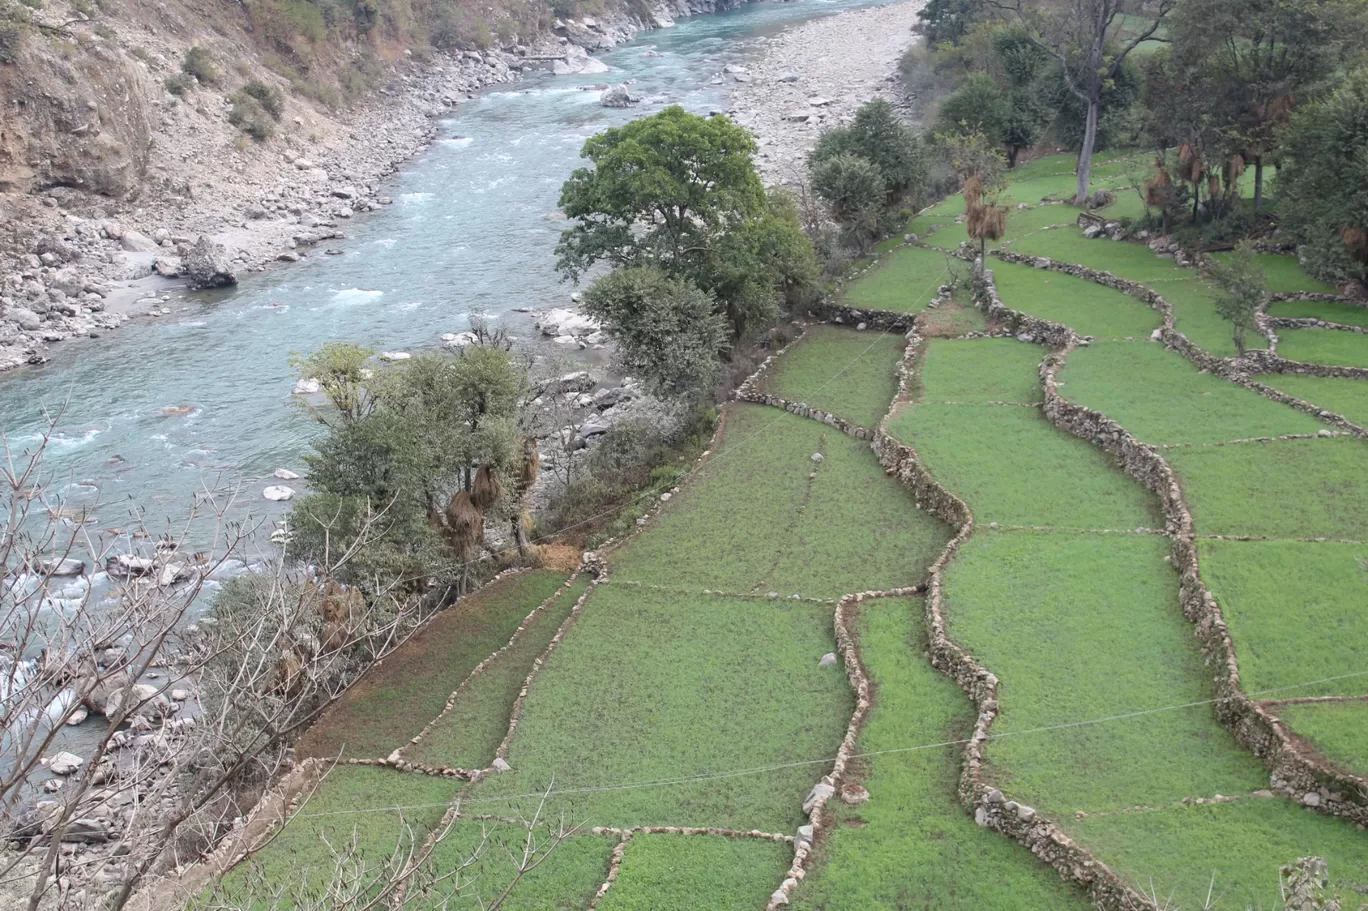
x=1085 y=306
x=913 y=845
x=653 y=685
x=1284 y=274
x=1294 y=611
x=851 y=374
x=1161 y=397
x=467 y=736
x=697 y=871
x=1057 y=479
x=755 y=520
x=1344 y=312
x=1345 y=396
x=1285 y=489
x=1339 y=730
x=1324 y=346
x=903 y=281
x=393 y=702
x=981 y=370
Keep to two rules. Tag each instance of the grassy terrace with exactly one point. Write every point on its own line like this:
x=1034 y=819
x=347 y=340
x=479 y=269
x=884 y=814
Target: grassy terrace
x=912 y=844
x=1333 y=311
x=394 y=701
x=980 y=370
x=467 y=736
x=1285 y=489
x=852 y=374
x=1338 y=730
x=1324 y=346
x=756 y=521
x=1346 y=397
x=1285 y=274
x=697 y=871
x=1162 y=398
x=1256 y=581
x=1087 y=307
x=901 y=282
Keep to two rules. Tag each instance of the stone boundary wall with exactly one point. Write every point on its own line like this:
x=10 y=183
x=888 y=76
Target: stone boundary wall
x=1287 y=322
x=1236 y=370
x=1306 y=778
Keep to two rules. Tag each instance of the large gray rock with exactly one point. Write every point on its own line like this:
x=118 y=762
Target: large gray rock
x=618 y=97
x=26 y=318
x=206 y=264
x=137 y=242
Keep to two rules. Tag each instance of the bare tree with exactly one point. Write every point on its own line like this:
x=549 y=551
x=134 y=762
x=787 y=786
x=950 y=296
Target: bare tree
x=1090 y=39
x=187 y=721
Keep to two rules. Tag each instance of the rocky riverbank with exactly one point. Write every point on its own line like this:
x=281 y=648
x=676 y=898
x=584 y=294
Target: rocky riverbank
x=815 y=76
x=205 y=204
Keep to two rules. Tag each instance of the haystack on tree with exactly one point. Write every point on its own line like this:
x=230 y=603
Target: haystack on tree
x=1191 y=170
x=976 y=159
x=1159 y=193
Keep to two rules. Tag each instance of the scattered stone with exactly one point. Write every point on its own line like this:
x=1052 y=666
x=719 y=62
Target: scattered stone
x=827 y=660
x=285 y=474
x=853 y=794
x=1311 y=799
x=307 y=387
x=61 y=566
x=64 y=763
x=618 y=97
x=821 y=791
x=394 y=356
x=278 y=493
x=817 y=458
x=501 y=765
x=78 y=716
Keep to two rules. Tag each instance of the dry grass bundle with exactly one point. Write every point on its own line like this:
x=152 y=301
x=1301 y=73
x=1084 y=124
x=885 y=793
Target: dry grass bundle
x=1159 y=187
x=1280 y=108
x=342 y=606
x=1234 y=168
x=486 y=490
x=1213 y=185
x=987 y=222
x=1189 y=163
x=531 y=466
x=464 y=523
x=1356 y=239
x=973 y=193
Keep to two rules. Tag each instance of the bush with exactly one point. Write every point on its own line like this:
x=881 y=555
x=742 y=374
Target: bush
x=268 y=96
x=249 y=116
x=978 y=106
x=11 y=36
x=179 y=84
x=199 y=63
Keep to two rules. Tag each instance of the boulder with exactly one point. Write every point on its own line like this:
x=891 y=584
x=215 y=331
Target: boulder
x=307 y=387
x=64 y=763
x=579 y=381
x=207 y=265
x=286 y=474
x=820 y=792
x=788 y=77
x=827 y=660
x=125 y=566
x=167 y=266
x=618 y=97
x=137 y=242
x=26 y=318
x=560 y=321
x=61 y=566
x=278 y=493
x=457 y=339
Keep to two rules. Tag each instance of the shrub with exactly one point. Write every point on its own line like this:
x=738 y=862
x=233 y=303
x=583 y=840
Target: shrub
x=249 y=116
x=179 y=84
x=199 y=63
x=268 y=96
x=11 y=36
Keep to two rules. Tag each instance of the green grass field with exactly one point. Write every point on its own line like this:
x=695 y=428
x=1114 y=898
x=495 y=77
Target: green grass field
x=1285 y=489
x=664 y=872
x=904 y=281
x=754 y=519
x=1332 y=311
x=467 y=736
x=1284 y=274
x=1294 y=611
x=1344 y=396
x=913 y=845
x=565 y=880
x=1324 y=346
x=1086 y=307
x=1055 y=479
x=651 y=685
x=1339 y=730
x=981 y=370
x=350 y=805
x=851 y=374
x=395 y=700
x=1161 y=397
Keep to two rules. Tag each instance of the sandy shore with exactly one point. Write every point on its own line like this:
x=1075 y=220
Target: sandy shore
x=815 y=76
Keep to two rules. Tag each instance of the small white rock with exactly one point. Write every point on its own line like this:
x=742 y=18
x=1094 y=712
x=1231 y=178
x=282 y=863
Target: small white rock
x=286 y=474
x=278 y=493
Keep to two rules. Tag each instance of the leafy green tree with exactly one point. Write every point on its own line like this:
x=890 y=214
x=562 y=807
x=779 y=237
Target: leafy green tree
x=947 y=20
x=851 y=185
x=1090 y=39
x=341 y=370
x=667 y=329
x=1252 y=62
x=680 y=192
x=979 y=105
x=769 y=262
x=1244 y=287
x=1323 y=182
x=879 y=136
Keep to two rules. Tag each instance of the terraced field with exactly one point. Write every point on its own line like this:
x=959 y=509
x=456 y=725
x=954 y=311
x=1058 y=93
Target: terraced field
x=721 y=667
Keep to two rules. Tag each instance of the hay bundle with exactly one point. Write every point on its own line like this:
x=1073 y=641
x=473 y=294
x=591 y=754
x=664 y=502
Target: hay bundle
x=973 y=193
x=531 y=466
x=486 y=490
x=1234 y=168
x=988 y=223
x=1189 y=164
x=341 y=607
x=464 y=523
x=1213 y=185
x=1158 y=187
x=1356 y=240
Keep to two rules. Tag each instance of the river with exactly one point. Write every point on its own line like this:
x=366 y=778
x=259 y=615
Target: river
x=200 y=398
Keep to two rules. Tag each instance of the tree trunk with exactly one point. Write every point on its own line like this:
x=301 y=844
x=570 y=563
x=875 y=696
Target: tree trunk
x=1085 y=154
x=1012 y=153
x=1258 y=184
x=1196 y=199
